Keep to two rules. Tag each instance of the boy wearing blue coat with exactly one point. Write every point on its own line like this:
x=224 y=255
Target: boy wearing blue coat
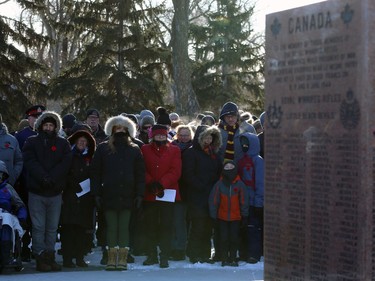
x=251 y=171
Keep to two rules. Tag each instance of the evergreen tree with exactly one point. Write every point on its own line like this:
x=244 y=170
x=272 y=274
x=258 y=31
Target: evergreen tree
x=20 y=85
x=228 y=59
x=122 y=68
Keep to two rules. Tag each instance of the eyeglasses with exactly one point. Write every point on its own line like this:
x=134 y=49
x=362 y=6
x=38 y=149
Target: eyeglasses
x=146 y=127
x=183 y=136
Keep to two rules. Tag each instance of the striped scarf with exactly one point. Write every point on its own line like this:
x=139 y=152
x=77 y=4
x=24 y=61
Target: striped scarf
x=229 y=149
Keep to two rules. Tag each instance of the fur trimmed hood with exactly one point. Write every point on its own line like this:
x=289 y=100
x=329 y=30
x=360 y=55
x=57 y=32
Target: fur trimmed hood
x=46 y=114
x=203 y=131
x=91 y=143
x=120 y=120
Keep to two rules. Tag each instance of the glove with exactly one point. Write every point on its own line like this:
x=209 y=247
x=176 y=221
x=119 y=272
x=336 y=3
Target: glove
x=138 y=202
x=157 y=189
x=244 y=222
x=47 y=183
x=78 y=188
x=98 y=202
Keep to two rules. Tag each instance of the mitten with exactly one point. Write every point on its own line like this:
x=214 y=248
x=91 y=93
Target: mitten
x=77 y=188
x=158 y=189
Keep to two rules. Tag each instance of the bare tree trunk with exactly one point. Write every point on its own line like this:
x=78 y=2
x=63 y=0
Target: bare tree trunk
x=185 y=99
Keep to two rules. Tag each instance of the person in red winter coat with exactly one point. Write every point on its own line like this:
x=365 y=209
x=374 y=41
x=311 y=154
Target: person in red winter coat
x=163 y=170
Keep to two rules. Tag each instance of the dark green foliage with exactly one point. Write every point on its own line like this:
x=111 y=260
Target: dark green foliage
x=228 y=58
x=19 y=85
x=121 y=69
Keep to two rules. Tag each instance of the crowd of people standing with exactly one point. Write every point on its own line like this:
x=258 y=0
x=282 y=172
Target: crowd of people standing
x=142 y=185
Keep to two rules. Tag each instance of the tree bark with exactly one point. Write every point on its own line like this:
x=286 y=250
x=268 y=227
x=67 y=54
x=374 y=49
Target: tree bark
x=186 y=102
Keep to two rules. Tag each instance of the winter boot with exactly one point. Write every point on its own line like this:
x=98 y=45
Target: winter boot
x=130 y=258
x=81 y=262
x=52 y=262
x=163 y=261
x=104 y=259
x=112 y=259
x=42 y=262
x=26 y=254
x=67 y=262
x=151 y=259
x=122 y=259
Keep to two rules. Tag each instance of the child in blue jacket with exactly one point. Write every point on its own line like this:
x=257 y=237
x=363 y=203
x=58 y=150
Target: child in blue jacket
x=251 y=171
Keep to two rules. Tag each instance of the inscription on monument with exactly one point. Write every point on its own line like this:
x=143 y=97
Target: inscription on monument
x=314 y=143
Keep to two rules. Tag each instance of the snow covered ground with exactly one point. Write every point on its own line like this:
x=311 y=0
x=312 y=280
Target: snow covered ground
x=178 y=270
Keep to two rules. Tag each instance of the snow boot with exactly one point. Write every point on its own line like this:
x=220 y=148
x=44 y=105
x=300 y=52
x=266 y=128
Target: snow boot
x=80 y=262
x=163 y=262
x=122 y=259
x=104 y=259
x=42 y=264
x=112 y=259
x=52 y=262
x=151 y=259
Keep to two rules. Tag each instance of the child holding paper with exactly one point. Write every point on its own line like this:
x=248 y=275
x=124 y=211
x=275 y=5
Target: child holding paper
x=163 y=170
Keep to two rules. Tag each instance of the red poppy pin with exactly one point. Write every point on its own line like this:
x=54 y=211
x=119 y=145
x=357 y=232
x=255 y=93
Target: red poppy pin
x=235 y=189
x=87 y=160
x=53 y=148
x=7 y=144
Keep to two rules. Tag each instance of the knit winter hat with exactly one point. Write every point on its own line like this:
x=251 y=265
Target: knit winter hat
x=163 y=117
x=208 y=120
x=49 y=120
x=147 y=120
x=146 y=112
x=159 y=130
x=133 y=118
x=174 y=116
x=92 y=111
x=229 y=108
x=68 y=121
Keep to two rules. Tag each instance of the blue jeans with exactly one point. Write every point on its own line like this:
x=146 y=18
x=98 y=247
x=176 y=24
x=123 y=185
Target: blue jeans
x=45 y=216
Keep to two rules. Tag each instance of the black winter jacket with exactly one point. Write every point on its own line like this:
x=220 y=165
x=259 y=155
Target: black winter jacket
x=118 y=177
x=46 y=157
x=200 y=171
x=79 y=210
